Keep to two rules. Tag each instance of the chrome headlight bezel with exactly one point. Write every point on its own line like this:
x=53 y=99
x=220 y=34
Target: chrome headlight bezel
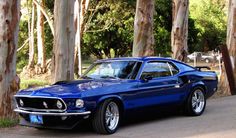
x=59 y=104
x=79 y=103
x=21 y=103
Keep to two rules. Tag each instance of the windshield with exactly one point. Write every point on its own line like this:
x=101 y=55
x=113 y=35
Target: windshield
x=113 y=70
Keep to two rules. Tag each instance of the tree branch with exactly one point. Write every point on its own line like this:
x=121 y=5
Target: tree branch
x=50 y=22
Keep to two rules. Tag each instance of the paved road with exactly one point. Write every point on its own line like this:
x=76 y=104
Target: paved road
x=218 y=121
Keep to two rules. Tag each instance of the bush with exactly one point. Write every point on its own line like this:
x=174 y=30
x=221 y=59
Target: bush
x=32 y=83
x=8 y=122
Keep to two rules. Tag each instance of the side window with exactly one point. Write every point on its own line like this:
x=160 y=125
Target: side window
x=135 y=70
x=156 y=69
x=173 y=68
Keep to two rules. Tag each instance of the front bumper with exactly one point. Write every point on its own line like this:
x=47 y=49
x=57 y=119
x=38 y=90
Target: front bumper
x=53 y=120
x=52 y=114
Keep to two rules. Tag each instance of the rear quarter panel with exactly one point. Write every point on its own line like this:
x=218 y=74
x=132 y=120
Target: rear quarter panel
x=205 y=79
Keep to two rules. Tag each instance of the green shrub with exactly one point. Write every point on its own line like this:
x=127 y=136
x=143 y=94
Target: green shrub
x=32 y=83
x=8 y=122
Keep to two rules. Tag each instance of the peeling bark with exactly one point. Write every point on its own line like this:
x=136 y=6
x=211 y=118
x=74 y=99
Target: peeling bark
x=179 y=34
x=50 y=21
x=41 y=62
x=81 y=7
x=143 y=44
x=31 y=42
x=64 y=41
x=9 y=82
x=231 y=45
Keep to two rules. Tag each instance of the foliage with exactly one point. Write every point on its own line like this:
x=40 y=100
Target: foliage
x=162 y=27
x=110 y=28
x=8 y=122
x=193 y=38
x=22 y=55
x=210 y=20
x=26 y=83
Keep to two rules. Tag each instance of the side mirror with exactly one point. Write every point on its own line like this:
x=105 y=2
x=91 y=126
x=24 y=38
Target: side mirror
x=147 y=78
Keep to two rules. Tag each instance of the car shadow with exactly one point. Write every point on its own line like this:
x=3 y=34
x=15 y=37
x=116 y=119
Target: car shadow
x=134 y=118
x=146 y=116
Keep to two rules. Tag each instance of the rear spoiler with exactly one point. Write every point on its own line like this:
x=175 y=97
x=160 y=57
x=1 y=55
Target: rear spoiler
x=202 y=67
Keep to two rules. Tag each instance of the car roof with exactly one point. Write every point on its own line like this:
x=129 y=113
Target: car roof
x=138 y=59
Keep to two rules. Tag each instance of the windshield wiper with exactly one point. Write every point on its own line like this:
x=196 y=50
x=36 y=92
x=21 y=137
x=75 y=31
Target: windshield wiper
x=108 y=77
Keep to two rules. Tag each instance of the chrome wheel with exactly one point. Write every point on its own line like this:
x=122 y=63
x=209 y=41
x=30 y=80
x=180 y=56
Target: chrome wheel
x=112 y=116
x=198 y=101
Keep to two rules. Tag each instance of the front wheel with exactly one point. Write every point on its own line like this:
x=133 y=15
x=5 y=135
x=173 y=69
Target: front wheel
x=196 y=102
x=106 y=119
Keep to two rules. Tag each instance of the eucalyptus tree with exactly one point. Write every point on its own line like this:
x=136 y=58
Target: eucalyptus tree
x=81 y=8
x=41 y=62
x=31 y=38
x=179 y=33
x=64 y=41
x=143 y=44
x=9 y=28
x=231 y=45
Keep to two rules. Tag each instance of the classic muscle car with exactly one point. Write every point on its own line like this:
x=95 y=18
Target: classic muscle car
x=111 y=87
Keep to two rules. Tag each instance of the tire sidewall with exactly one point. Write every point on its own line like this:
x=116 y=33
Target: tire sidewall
x=106 y=103
x=190 y=109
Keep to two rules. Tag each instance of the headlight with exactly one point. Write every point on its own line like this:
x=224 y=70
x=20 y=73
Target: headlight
x=79 y=103
x=59 y=104
x=21 y=103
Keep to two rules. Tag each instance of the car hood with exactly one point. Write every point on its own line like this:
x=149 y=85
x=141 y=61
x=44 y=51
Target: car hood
x=64 y=89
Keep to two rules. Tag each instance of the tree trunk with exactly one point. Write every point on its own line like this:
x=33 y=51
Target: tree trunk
x=231 y=45
x=64 y=41
x=143 y=28
x=29 y=22
x=9 y=28
x=81 y=8
x=31 y=42
x=179 y=34
x=77 y=56
x=40 y=37
x=43 y=11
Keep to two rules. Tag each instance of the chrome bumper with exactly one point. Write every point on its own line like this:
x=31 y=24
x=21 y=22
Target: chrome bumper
x=51 y=114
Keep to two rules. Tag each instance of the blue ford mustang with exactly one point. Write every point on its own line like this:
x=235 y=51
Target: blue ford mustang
x=111 y=87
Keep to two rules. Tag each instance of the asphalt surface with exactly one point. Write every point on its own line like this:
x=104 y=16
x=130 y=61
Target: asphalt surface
x=218 y=121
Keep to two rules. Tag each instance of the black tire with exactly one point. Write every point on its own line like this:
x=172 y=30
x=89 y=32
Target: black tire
x=189 y=109
x=99 y=119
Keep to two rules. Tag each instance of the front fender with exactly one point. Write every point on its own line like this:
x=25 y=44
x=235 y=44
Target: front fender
x=103 y=98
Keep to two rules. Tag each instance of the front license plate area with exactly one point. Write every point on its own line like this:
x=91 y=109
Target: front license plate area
x=36 y=119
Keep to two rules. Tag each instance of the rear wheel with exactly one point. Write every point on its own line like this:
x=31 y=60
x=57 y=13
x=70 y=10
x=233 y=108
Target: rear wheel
x=196 y=102
x=107 y=117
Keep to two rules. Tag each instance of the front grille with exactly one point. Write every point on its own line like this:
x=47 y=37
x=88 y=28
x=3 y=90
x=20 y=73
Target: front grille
x=39 y=104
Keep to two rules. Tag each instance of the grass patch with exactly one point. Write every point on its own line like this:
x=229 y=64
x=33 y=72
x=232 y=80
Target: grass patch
x=8 y=122
x=32 y=83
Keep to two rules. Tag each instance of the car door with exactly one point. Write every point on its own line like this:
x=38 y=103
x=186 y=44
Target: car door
x=159 y=84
